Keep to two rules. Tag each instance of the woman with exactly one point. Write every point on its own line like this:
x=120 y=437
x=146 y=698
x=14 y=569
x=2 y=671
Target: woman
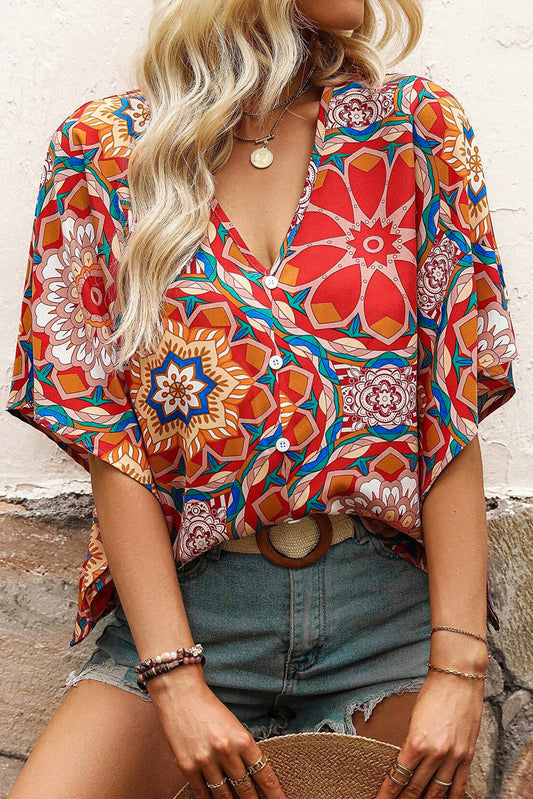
x=247 y=385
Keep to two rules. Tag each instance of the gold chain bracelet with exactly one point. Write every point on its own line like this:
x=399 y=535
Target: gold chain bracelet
x=461 y=673
x=457 y=630
x=453 y=671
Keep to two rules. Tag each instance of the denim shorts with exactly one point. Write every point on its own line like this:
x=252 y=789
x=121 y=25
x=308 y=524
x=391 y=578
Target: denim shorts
x=293 y=650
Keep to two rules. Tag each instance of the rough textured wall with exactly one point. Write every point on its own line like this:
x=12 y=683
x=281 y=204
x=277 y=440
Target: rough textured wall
x=57 y=54
x=42 y=542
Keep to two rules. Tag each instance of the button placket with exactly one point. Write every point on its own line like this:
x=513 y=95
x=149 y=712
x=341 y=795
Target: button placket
x=275 y=361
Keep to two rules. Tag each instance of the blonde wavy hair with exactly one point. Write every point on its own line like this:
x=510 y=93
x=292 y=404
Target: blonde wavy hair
x=199 y=62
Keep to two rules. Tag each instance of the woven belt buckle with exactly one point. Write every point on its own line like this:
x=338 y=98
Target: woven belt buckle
x=267 y=549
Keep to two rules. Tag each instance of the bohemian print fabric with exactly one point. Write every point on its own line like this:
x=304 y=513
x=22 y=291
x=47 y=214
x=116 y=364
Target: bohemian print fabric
x=386 y=307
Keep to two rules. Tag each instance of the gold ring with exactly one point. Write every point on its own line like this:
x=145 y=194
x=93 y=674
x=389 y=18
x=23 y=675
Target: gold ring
x=258 y=765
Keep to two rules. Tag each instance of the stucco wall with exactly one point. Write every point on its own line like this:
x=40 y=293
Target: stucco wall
x=57 y=54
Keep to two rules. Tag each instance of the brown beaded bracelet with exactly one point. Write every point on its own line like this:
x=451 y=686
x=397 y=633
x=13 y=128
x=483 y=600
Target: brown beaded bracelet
x=167 y=657
x=162 y=668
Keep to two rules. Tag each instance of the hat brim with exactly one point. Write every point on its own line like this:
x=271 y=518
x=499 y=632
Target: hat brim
x=315 y=765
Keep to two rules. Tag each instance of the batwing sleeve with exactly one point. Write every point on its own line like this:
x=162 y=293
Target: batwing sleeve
x=65 y=381
x=466 y=340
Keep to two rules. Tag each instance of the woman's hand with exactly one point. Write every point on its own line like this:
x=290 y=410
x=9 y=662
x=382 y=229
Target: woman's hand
x=441 y=739
x=207 y=739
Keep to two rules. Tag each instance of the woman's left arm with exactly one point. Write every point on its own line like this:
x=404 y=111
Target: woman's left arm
x=454 y=521
x=446 y=717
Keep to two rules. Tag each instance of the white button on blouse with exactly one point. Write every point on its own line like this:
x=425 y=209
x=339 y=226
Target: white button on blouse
x=271 y=281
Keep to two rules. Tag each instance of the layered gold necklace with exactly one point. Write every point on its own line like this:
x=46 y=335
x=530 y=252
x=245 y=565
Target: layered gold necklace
x=262 y=157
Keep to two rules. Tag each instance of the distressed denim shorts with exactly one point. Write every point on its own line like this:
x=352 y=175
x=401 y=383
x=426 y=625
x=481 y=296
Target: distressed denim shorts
x=293 y=650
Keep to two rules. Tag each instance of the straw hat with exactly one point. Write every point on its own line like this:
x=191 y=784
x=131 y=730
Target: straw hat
x=319 y=765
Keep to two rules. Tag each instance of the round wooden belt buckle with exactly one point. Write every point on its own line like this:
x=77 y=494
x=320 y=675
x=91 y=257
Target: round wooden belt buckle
x=276 y=557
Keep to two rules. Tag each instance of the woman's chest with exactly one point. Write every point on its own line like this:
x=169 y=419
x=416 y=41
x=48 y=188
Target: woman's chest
x=346 y=273
x=262 y=202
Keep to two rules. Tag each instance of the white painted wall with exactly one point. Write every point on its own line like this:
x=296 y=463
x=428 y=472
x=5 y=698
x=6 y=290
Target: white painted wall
x=56 y=54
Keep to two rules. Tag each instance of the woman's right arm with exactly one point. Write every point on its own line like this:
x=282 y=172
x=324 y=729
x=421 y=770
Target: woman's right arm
x=207 y=739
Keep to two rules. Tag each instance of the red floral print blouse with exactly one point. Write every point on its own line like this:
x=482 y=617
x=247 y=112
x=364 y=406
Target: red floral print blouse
x=342 y=380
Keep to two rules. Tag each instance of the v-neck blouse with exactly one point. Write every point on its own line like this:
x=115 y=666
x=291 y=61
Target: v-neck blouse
x=344 y=380
x=305 y=196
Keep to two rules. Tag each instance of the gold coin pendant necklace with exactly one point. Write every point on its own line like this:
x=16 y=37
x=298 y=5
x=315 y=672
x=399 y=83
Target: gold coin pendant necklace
x=262 y=157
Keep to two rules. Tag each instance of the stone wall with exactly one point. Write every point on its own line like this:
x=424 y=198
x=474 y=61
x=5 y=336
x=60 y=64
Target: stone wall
x=505 y=760
x=42 y=544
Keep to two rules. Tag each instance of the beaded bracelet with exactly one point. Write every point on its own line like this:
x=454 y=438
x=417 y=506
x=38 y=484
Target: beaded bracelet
x=162 y=668
x=151 y=667
x=167 y=657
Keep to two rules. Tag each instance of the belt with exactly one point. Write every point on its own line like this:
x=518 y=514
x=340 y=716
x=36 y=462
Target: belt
x=296 y=544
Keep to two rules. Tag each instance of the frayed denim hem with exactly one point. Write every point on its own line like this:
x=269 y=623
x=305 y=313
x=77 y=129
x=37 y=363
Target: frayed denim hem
x=276 y=726
x=367 y=706
x=282 y=724
x=108 y=672
x=111 y=673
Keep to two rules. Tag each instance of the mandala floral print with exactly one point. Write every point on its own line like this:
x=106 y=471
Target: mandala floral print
x=376 y=346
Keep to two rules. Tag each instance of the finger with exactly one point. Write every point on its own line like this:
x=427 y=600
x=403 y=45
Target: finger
x=217 y=783
x=392 y=785
x=434 y=789
x=395 y=781
x=451 y=770
x=198 y=786
x=460 y=779
x=268 y=782
x=266 y=778
x=421 y=783
x=239 y=779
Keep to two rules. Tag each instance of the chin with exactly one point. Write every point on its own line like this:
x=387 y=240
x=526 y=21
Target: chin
x=334 y=14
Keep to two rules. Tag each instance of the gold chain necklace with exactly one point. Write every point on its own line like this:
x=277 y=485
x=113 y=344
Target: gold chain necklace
x=262 y=157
